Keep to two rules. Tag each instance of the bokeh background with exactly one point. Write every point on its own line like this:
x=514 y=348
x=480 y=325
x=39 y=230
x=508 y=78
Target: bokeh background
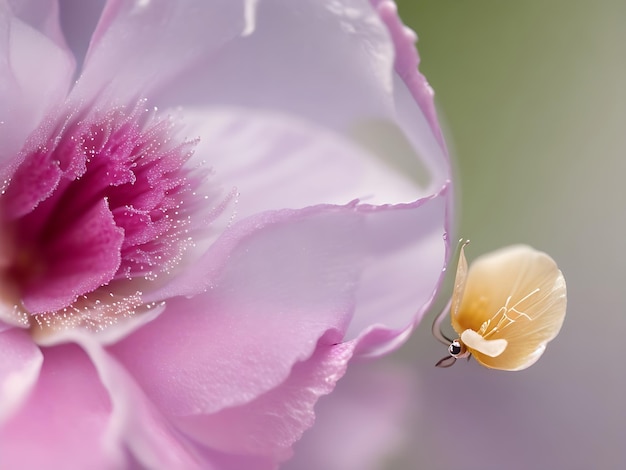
x=532 y=95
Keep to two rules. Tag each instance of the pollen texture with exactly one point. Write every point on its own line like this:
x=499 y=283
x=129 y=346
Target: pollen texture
x=99 y=203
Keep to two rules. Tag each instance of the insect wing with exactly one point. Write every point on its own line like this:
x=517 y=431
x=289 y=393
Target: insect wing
x=459 y=288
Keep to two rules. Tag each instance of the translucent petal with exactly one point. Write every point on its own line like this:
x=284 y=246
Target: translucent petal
x=517 y=294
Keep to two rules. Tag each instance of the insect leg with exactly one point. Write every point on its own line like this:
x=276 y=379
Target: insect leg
x=436 y=328
x=446 y=362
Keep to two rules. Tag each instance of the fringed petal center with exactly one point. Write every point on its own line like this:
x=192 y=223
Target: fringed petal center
x=103 y=201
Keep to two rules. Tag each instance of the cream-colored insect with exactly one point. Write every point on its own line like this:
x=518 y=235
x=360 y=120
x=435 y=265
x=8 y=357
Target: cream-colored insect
x=505 y=308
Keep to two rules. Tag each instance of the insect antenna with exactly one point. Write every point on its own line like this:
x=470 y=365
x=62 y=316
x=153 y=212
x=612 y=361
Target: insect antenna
x=436 y=328
x=446 y=362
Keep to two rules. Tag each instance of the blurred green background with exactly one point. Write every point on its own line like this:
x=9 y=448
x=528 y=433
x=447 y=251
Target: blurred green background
x=532 y=97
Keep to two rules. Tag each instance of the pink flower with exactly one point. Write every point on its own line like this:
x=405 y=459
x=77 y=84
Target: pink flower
x=233 y=200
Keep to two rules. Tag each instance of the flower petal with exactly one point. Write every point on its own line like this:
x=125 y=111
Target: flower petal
x=82 y=258
x=389 y=238
x=20 y=363
x=27 y=94
x=336 y=69
x=158 y=38
x=279 y=161
x=276 y=287
x=135 y=422
x=62 y=423
x=406 y=66
x=407 y=250
x=322 y=60
x=269 y=425
x=275 y=283
x=348 y=42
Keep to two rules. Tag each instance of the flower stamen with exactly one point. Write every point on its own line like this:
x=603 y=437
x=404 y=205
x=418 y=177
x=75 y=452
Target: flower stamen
x=97 y=205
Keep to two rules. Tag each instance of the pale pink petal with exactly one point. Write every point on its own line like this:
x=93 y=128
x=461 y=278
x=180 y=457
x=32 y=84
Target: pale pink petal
x=63 y=422
x=274 y=291
x=27 y=94
x=336 y=68
x=407 y=249
x=415 y=122
x=328 y=61
x=396 y=252
x=362 y=424
x=278 y=161
x=275 y=283
x=336 y=64
x=324 y=74
x=406 y=66
x=20 y=362
x=138 y=46
x=135 y=423
x=357 y=90
x=269 y=425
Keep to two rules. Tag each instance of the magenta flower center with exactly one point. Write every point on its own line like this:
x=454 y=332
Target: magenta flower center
x=98 y=208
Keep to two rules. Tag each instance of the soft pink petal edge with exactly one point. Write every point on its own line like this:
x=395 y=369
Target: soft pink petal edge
x=277 y=160
x=407 y=63
x=269 y=425
x=28 y=95
x=269 y=287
